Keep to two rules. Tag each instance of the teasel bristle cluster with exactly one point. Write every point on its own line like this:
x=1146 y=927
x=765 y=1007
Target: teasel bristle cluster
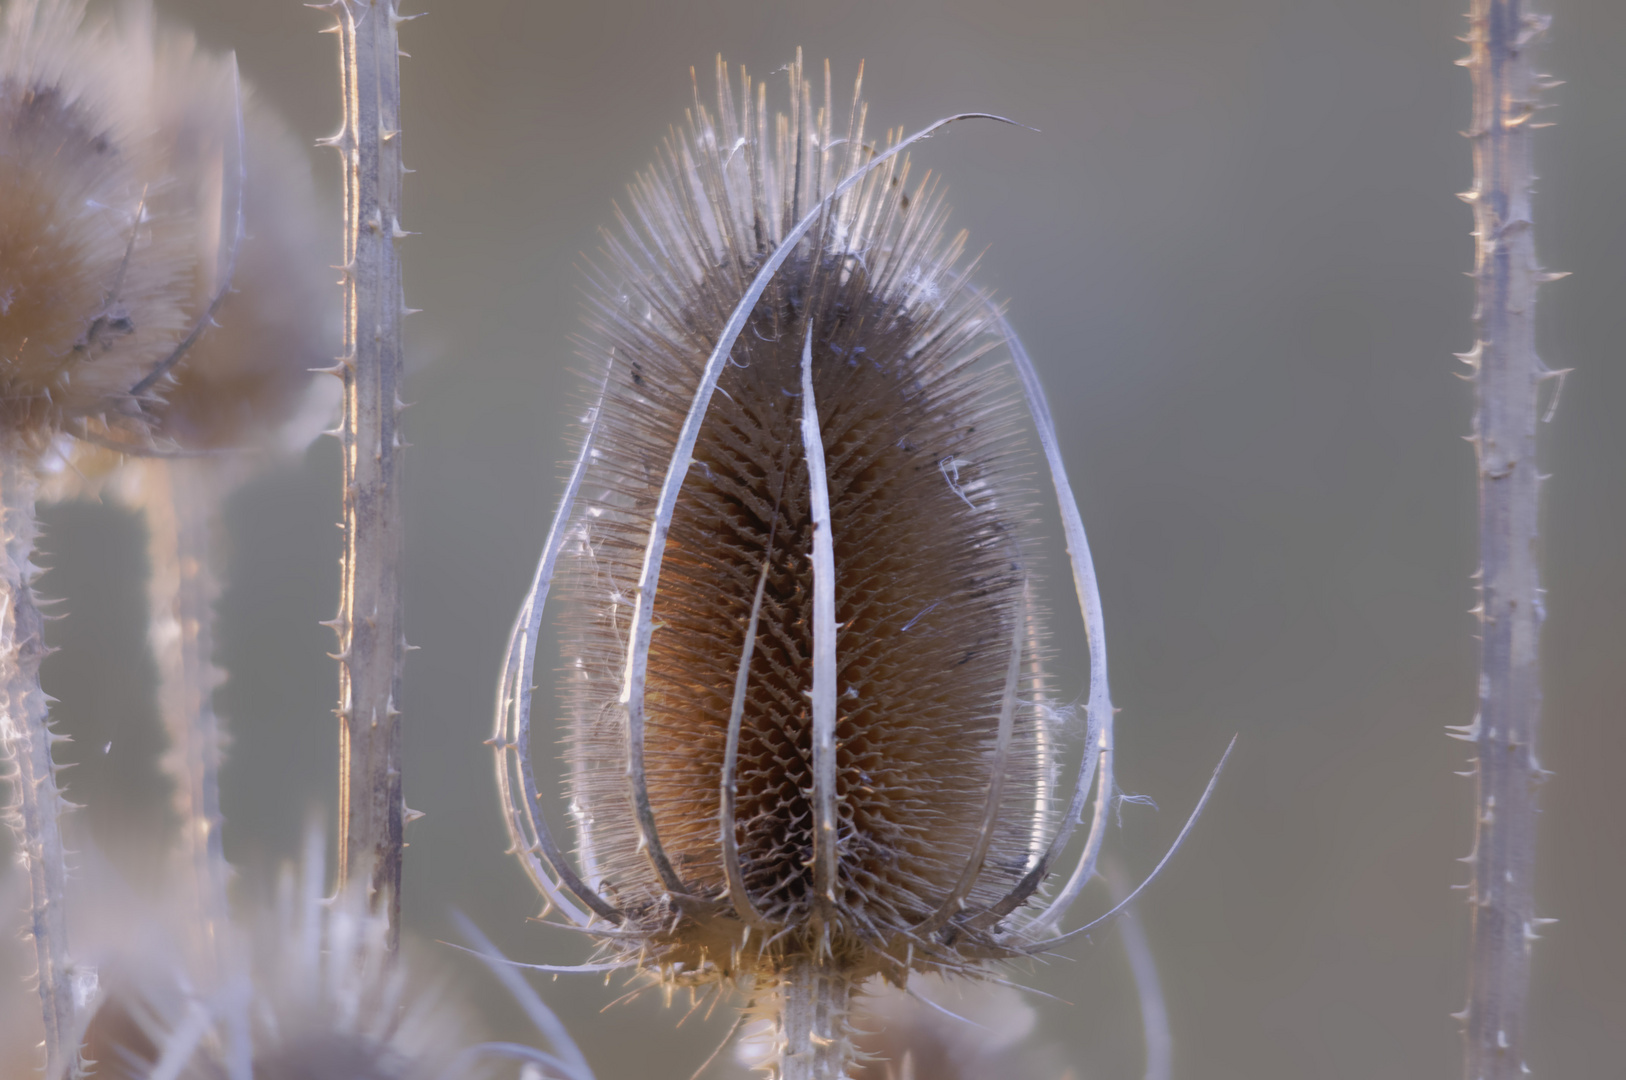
x=312 y=991
x=917 y=493
x=810 y=734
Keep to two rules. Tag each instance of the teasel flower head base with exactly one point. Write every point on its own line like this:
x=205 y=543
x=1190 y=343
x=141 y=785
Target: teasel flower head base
x=809 y=737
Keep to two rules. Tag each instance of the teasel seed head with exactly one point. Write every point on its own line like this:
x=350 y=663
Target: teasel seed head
x=924 y=492
x=809 y=735
x=94 y=262
x=313 y=982
x=240 y=383
x=804 y=670
x=244 y=379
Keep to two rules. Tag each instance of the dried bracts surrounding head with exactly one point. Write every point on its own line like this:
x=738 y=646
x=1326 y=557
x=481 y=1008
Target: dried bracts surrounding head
x=94 y=269
x=857 y=779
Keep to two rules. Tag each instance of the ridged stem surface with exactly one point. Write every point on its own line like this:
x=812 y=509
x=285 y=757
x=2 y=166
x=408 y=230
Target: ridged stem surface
x=369 y=624
x=36 y=807
x=181 y=496
x=813 y=1041
x=1509 y=378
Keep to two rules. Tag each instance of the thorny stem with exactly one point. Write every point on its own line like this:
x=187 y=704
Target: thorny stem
x=36 y=807
x=1509 y=379
x=369 y=624
x=181 y=495
x=811 y=1033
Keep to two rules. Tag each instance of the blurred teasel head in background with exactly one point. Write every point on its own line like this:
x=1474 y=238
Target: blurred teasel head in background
x=162 y=279
x=240 y=383
x=805 y=645
x=312 y=992
x=931 y=502
x=96 y=260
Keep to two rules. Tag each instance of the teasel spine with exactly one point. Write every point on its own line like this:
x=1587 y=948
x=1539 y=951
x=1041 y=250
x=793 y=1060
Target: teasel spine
x=37 y=806
x=1509 y=379
x=370 y=625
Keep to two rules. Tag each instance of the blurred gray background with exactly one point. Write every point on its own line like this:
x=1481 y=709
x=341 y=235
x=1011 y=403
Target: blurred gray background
x=1235 y=251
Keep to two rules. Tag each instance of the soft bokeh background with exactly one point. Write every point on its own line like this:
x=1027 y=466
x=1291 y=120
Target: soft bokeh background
x=1235 y=251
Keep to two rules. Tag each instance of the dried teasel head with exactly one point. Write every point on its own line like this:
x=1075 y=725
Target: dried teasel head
x=313 y=992
x=940 y=1029
x=925 y=495
x=95 y=266
x=808 y=724
x=240 y=382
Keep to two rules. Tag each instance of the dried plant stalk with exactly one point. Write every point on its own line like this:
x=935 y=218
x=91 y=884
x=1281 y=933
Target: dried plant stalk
x=1508 y=378
x=813 y=1040
x=369 y=624
x=37 y=805
x=180 y=499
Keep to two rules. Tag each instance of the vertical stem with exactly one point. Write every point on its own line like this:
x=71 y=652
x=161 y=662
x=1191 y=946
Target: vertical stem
x=1154 y=1011
x=812 y=1034
x=1508 y=381
x=180 y=500
x=36 y=807
x=369 y=624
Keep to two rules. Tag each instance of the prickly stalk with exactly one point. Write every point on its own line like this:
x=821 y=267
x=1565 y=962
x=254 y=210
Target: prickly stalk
x=369 y=623
x=181 y=496
x=1509 y=379
x=36 y=807
x=812 y=1038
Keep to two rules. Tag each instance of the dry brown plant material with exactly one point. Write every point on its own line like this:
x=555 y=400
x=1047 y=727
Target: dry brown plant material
x=811 y=737
x=93 y=261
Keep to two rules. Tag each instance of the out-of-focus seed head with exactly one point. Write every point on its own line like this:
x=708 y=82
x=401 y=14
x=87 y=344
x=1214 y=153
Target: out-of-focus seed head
x=316 y=987
x=94 y=274
x=932 y=510
x=243 y=380
x=245 y=383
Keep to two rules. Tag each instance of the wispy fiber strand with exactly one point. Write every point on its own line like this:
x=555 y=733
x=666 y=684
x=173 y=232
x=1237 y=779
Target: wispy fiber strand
x=370 y=624
x=1509 y=380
